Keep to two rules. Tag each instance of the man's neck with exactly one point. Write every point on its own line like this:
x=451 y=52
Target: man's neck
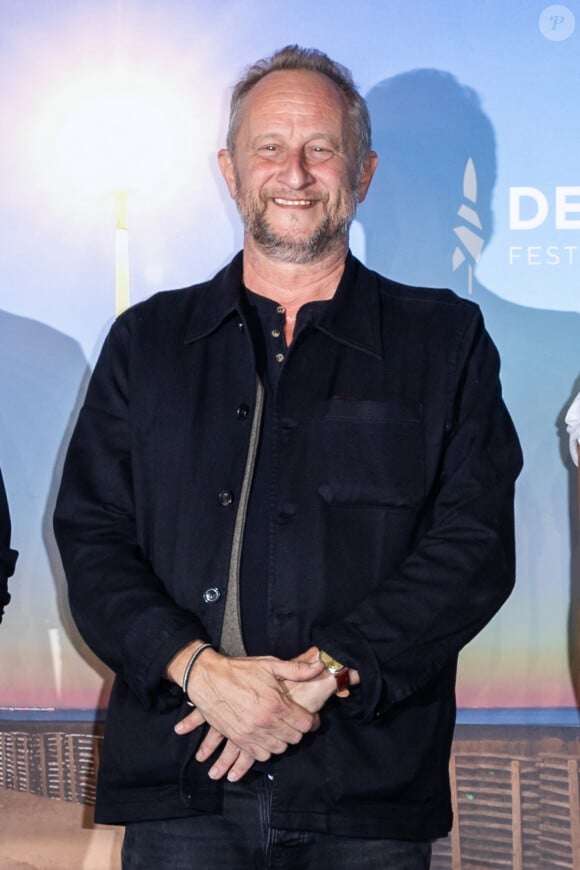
x=292 y=284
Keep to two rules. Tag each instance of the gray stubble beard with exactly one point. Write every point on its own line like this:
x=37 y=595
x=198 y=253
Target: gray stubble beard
x=329 y=236
x=325 y=239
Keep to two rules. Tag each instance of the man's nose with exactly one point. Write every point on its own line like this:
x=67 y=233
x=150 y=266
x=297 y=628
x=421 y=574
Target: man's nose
x=294 y=172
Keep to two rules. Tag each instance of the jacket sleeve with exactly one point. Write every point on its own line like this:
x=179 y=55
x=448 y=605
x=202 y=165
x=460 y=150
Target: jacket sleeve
x=120 y=606
x=462 y=566
x=7 y=556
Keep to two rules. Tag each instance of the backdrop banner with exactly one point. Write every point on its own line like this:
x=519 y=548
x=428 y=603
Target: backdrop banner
x=110 y=191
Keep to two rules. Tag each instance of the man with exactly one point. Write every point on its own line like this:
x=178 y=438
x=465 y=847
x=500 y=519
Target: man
x=7 y=556
x=288 y=504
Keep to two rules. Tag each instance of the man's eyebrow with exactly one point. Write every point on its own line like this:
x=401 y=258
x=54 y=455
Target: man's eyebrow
x=264 y=137
x=326 y=137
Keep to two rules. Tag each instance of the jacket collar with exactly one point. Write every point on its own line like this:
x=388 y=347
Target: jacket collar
x=353 y=316
x=215 y=301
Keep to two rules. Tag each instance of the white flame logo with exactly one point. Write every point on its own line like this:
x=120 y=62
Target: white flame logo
x=471 y=242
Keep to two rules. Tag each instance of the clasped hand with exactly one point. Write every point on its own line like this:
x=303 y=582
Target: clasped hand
x=255 y=706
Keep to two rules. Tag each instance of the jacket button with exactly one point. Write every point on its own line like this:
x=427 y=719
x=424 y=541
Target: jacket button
x=243 y=412
x=226 y=498
x=211 y=595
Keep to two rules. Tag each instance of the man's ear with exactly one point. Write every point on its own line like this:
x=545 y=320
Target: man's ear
x=369 y=166
x=226 y=164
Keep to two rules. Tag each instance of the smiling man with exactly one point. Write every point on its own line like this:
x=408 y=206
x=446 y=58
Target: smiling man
x=287 y=505
x=294 y=169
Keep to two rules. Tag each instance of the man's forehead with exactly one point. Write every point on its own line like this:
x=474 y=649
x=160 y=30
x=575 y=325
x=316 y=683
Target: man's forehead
x=284 y=88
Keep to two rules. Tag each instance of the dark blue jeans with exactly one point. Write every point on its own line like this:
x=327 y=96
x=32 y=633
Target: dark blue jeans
x=242 y=838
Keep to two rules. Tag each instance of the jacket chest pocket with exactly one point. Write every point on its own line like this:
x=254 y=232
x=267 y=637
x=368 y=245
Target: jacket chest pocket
x=372 y=453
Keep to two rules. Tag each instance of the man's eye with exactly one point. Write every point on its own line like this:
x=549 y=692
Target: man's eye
x=318 y=152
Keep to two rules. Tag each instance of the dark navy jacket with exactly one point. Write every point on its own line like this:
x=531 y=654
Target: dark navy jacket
x=391 y=537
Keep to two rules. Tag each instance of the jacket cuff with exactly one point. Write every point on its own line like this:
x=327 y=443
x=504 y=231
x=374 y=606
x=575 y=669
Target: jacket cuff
x=161 y=693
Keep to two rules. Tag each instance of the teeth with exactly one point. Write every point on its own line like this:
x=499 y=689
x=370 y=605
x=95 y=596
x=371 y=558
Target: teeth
x=281 y=201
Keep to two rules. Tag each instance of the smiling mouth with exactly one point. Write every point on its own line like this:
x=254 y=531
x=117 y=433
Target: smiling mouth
x=295 y=203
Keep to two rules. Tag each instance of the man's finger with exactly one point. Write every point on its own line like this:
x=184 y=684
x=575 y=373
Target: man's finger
x=311 y=655
x=297 y=670
x=188 y=724
x=227 y=758
x=209 y=744
x=240 y=767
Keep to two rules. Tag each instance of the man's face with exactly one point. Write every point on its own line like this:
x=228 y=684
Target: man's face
x=293 y=174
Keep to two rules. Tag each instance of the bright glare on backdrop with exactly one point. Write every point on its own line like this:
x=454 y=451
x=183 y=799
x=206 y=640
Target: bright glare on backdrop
x=123 y=129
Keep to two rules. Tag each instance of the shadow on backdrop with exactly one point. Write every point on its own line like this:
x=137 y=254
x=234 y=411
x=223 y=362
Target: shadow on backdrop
x=43 y=374
x=436 y=173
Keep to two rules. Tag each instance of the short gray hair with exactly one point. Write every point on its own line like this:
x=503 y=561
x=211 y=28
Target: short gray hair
x=294 y=57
